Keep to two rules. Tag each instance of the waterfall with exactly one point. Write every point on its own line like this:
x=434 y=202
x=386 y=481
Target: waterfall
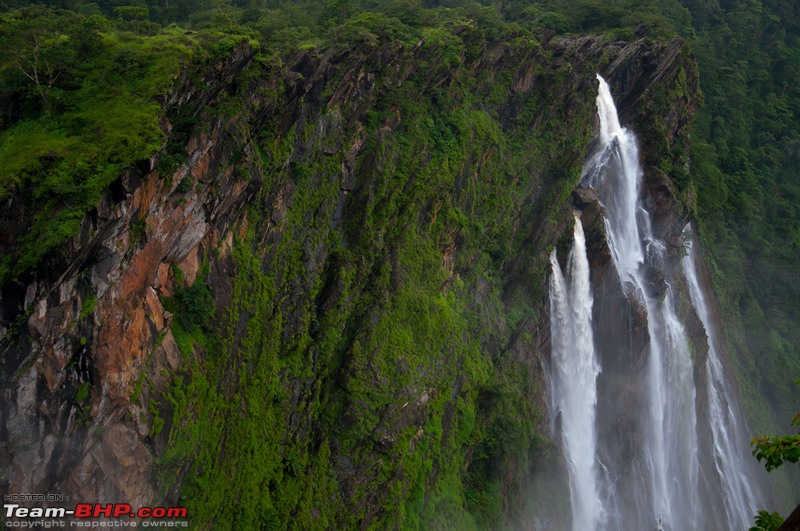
x=630 y=433
x=666 y=494
x=574 y=379
x=732 y=457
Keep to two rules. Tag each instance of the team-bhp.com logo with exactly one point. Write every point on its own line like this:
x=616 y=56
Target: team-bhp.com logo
x=94 y=515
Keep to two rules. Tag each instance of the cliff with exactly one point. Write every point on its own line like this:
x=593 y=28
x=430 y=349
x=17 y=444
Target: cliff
x=323 y=301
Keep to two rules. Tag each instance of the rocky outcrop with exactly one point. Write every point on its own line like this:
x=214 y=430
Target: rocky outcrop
x=92 y=351
x=95 y=334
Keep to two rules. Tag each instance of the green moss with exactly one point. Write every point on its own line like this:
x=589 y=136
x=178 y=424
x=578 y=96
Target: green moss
x=62 y=162
x=183 y=339
x=82 y=393
x=361 y=328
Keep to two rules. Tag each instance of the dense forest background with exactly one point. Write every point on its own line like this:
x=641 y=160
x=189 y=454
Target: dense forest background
x=61 y=57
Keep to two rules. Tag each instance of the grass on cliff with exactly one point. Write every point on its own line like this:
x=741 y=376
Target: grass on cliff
x=353 y=371
x=82 y=102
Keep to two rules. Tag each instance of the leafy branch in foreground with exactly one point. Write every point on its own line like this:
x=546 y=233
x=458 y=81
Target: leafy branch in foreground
x=773 y=452
x=767 y=521
x=777 y=450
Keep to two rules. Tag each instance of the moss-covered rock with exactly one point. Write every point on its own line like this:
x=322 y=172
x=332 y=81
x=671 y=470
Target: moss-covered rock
x=373 y=223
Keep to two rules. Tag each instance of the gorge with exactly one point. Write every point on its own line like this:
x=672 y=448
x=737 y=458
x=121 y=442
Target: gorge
x=397 y=271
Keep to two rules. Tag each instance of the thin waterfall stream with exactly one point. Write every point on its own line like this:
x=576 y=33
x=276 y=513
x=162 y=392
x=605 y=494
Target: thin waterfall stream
x=630 y=433
x=731 y=453
x=574 y=381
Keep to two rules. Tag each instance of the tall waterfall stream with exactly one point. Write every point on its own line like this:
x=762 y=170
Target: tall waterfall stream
x=647 y=471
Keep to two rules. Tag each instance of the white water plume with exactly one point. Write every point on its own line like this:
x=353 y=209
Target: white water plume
x=615 y=172
x=731 y=456
x=574 y=382
x=636 y=457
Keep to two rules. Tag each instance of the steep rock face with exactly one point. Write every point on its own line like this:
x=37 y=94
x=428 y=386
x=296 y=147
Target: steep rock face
x=95 y=333
x=325 y=205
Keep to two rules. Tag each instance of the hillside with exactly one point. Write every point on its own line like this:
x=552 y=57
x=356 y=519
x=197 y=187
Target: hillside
x=296 y=256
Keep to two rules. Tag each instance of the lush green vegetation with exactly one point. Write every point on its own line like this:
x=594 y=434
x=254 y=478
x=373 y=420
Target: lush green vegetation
x=82 y=97
x=767 y=521
x=774 y=452
x=351 y=367
x=80 y=104
x=746 y=163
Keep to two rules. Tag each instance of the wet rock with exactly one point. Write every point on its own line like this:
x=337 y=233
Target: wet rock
x=141 y=230
x=586 y=201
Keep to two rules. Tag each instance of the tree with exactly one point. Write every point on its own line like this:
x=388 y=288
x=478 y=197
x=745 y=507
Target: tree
x=41 y=48
x=767 y=521
x=774 y=452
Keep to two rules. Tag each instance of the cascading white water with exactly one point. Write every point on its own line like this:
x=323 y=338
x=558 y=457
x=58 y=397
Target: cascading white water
x=731 y=455
x=574 y=379
x=630 y=433
x=615 y=169
x=668 y=458
x=638 y=454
